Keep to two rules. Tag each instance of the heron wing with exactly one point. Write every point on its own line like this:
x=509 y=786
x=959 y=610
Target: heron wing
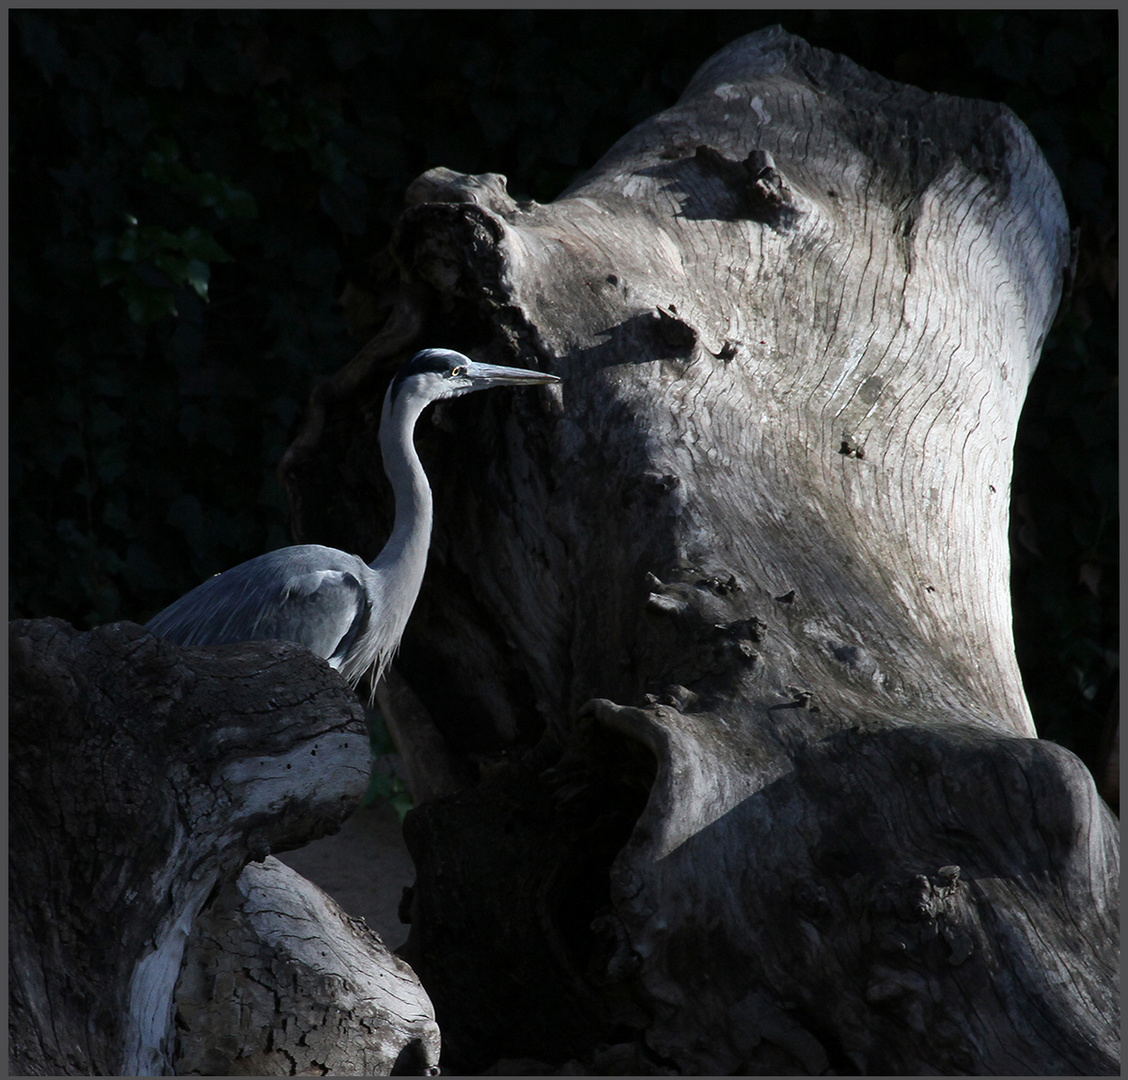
x=271 y=599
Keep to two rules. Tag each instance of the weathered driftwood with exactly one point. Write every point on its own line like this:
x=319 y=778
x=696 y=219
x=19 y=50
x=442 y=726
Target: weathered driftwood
x=732 y=602
x=278 y=981
x=143 y=776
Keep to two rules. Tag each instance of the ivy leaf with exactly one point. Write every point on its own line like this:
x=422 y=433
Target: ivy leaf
x=175 y=267
x=146 y=304
x=200 y=245
x=227 y=200
x=197 y=275
x=163 y=166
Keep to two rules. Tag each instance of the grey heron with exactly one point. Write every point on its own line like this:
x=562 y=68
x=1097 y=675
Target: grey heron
x=347 y=611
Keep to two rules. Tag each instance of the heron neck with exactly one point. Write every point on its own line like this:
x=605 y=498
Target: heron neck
x=406 y=550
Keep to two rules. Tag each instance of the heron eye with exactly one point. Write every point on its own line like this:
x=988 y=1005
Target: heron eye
x=455 y=371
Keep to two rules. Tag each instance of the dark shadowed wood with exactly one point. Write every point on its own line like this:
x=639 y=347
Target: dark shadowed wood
x=142 y=776
x=724 y=620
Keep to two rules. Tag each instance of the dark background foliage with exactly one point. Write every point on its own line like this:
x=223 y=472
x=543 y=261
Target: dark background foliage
x=195 y=197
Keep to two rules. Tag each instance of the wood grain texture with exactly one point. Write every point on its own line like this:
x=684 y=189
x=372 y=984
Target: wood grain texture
x=142 y=775
x=724 y=619
x=278 y=981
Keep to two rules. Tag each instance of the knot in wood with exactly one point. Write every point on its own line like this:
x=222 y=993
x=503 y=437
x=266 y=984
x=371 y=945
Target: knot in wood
x=811 y=899
x=754 y=629
x=721 y=586
x=666 y=604
x=922 y=898
x=673 y=332
x=650 y=488
x=728 y=350
x=949 y=876
x=768 y=186
x=660 y=483
x=669 y=598
x=744 y=651
x=920 y=901
x=675 y=696
x=758 y=187
x=800 y=699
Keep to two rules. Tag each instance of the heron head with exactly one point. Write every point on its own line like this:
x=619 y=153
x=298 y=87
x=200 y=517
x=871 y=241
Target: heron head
x=443 y=373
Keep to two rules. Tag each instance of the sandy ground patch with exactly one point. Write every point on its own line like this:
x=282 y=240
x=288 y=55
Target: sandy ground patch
x=364 y=868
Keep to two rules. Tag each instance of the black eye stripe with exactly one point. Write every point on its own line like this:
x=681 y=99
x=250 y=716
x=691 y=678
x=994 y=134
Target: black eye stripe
x=438 y=361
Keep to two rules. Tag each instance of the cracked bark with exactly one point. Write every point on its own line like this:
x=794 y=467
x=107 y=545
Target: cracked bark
x=278 y=981
x=723 y=621
x=144 y=777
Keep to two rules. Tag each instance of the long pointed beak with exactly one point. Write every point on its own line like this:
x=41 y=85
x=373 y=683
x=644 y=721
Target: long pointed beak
x=484 y=375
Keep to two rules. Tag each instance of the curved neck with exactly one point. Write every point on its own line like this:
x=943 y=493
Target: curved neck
x=395 y=575
x=404 y=557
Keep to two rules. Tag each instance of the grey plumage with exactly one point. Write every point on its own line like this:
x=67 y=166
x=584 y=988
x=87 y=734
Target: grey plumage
x=337 y=606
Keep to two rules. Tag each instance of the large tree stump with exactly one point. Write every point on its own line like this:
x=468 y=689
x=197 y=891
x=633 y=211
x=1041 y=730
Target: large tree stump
x=724 y=619
x=143 y=779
